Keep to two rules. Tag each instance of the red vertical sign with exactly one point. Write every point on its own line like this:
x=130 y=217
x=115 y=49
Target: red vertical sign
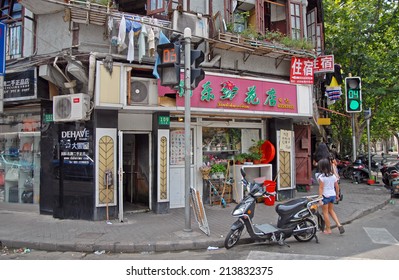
x=324 y=64
x=302 y=70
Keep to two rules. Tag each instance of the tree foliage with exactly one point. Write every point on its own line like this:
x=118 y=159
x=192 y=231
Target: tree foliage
x=363 y=36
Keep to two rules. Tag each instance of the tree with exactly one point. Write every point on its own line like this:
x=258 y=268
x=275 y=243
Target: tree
x=362 y=35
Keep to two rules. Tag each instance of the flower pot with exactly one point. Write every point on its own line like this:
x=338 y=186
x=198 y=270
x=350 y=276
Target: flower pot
x=217 y=175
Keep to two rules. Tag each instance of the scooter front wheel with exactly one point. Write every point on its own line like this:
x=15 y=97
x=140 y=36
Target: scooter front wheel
x=309 y=230
x=232 y=237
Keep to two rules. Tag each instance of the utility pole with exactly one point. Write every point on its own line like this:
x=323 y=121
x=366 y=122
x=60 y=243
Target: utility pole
x=367 y=116
x=187 y=124
x=353 y=138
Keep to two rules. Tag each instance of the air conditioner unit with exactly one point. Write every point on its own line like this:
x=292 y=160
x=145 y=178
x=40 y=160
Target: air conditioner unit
x=143 y=91
x=71 y=107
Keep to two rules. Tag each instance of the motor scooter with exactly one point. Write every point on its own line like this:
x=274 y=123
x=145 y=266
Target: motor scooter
x=390 y=177
x=298 y=217
x=360 y=172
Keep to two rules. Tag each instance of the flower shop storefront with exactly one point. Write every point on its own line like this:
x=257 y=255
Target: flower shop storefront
x=230 y=117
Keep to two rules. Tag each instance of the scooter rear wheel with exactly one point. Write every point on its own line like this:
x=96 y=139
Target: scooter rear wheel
x=309 y=233
x=232 y=238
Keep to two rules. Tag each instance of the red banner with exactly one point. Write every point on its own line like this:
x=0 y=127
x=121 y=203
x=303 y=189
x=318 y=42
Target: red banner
x=302 y=70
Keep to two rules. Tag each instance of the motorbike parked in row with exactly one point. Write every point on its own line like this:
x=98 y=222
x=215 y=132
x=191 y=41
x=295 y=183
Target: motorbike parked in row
x=298 y=217
x=390 y=176
x=359 y=171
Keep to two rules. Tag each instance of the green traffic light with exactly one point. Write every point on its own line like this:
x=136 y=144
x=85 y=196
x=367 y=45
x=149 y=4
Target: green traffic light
x=354 y=105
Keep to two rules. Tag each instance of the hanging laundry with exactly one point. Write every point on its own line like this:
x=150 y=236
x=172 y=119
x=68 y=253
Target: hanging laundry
x=132 y=24
x=157 y=31
x=122 y=34
x=335 y=78
x=130 y=50
x=110 y=24
x=151 y=42
x=142 y=43
x=330 y=102
x=333 y=93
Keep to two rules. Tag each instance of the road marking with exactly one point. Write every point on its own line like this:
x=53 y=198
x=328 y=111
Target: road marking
x=260 y=255
x=380 y=236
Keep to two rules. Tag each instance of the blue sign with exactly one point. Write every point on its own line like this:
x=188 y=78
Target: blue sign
x=3 y=34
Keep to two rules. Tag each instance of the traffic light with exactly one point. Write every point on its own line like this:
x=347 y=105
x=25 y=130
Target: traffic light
x=169 y=66
x=353 y=90
x=197 y=74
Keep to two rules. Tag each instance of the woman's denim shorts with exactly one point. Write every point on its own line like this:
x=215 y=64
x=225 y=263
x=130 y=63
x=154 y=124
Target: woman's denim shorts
x=330 y=199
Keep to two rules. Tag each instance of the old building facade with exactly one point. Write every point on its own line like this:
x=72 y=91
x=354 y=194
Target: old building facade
x=92 y=133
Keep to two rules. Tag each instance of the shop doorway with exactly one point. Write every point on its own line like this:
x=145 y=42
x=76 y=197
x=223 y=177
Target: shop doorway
x=135 y=185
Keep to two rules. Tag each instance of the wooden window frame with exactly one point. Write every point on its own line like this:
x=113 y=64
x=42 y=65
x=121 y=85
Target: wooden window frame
x=312 y=26
x=300 y=18
x=157 y=9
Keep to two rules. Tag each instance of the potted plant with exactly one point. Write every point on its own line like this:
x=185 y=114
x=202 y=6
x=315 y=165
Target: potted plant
x=240 y=158
x=255 y=148
x=218 y=170
x=256 y=157
x=205 y=170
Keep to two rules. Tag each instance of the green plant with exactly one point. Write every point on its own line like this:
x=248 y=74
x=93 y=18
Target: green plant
x=218 y=167
x=256 y=156
x=230 y=27
x=296 y=44
x=250 y=32
x=240 y=157
x=255 y=148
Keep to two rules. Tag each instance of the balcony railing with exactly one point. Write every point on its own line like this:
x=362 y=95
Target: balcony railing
x=236 y=42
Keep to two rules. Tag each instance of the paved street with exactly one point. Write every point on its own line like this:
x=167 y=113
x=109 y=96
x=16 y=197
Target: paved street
x=23 y=227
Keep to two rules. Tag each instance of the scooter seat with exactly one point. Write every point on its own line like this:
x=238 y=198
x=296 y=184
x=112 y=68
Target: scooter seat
x=291 y=205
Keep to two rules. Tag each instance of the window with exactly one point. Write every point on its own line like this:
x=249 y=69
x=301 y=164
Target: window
x=319 y=39
x=275 y=16
x=20 y=158
x=155 y=6
x=11 y=14
x=295 y=20
x=311 y=26
x=11 y=11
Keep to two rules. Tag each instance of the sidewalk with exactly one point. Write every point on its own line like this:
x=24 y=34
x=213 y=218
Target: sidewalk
x=23 y=227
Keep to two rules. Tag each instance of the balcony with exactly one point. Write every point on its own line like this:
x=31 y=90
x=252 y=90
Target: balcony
x=239 y=43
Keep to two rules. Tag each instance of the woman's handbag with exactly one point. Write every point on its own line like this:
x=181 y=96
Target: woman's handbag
x=12 y=174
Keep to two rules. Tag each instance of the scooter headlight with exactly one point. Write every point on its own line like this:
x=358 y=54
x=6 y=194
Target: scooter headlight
x=239 y=211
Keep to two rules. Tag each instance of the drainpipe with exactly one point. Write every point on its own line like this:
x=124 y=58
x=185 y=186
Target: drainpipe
x=69 y=84
x=92 y=74
x=207 y=48
x=211 y=63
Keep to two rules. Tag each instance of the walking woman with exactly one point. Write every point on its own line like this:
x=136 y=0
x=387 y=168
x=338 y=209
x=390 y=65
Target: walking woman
x=329 y=189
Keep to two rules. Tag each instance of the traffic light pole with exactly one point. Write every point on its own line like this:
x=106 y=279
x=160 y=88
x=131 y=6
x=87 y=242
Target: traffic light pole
x=353 y=137
x=187 y=122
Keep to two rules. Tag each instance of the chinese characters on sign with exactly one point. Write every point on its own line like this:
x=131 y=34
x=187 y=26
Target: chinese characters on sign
x=233 y=93
x=301 y=71
x=75 y=146
x=20 y=85
x=285 y=140
x=324 y=64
